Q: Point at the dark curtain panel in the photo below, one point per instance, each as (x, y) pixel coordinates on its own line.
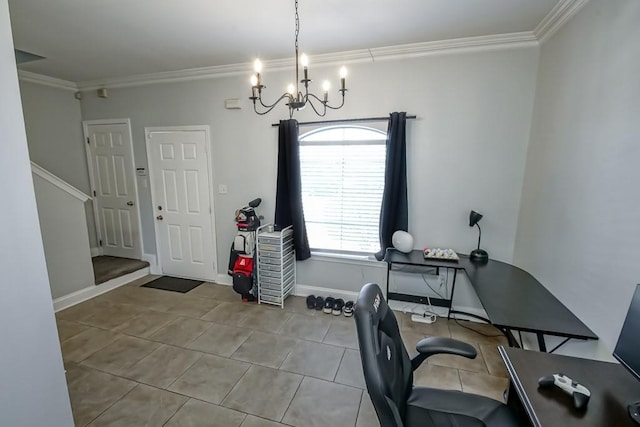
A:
(289, 192)
(394, 212)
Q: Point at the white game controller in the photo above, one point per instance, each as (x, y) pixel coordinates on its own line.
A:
(580, 393)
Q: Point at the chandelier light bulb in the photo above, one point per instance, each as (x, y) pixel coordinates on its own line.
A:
(253, 80)
(257, 66)
(291, 89)
(304, 60)
(326, 86)
(343, 72)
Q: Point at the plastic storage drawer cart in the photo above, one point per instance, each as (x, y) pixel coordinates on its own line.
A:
(276, 265)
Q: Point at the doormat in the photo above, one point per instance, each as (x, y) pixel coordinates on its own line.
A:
(175, 284)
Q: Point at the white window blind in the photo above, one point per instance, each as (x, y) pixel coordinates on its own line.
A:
(342, 171)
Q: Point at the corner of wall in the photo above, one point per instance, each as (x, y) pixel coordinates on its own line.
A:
(152, 259)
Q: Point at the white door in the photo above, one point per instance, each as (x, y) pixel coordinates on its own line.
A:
(182, 202)
(111, 167)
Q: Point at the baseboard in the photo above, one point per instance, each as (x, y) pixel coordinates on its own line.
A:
(152, 259)
(95, 290)
(304, 290)
(97, 251)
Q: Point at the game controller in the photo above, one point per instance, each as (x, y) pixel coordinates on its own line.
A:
(578, 392)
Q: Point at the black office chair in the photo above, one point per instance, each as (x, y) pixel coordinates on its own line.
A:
(388, 372)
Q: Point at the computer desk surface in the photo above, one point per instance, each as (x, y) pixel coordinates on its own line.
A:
(512, 298)
(612, 389)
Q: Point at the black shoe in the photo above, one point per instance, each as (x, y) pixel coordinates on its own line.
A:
(319, 303)
(337, 307)
(328, 305)
(311, 302)
(348, 309)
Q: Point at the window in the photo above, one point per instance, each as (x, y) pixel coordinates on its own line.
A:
(342, 170)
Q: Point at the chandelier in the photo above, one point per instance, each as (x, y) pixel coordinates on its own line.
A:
(296, 99)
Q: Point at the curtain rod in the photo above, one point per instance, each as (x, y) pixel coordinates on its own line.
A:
(324, 122)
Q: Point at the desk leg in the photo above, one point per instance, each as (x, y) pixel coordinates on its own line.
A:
(541, 344)
(453, 288)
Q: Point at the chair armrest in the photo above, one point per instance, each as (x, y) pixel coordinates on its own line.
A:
(428, 347)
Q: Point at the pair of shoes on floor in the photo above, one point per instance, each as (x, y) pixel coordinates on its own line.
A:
(315, 303)
(330, 305)
(333, 306)
(348, 309)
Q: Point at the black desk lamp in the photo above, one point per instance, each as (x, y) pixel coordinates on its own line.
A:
(477, 255)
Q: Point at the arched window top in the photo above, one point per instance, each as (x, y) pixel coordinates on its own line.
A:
(343, 133)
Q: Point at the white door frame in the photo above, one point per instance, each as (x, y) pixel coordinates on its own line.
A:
(208, 155)
(92, 180)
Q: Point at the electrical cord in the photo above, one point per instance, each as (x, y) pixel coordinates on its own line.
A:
(429, 286)
(455, 319)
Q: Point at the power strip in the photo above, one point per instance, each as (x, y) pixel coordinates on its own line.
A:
(427, 318)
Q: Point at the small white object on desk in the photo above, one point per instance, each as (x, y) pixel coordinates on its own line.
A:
(402, 241)
(442, 254)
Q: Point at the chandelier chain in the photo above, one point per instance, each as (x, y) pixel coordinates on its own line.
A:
(297, 25)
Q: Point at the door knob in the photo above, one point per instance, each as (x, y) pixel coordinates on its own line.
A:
(130, 203)
(159, 218)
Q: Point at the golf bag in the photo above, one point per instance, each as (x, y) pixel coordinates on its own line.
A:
(243, 248)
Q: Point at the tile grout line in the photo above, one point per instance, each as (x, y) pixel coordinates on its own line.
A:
(360, 406)
(335, 376)
(292, 399)
(114, 402)
(175, 412)
(235, 385)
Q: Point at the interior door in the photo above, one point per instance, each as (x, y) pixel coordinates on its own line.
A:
(110, 157)
(179, 172)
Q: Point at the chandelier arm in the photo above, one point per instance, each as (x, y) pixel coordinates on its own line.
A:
(272, 106)
(310, 102)
(258, 112)
(339, 106)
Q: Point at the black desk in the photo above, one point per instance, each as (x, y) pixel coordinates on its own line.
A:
(512, 298)
(612, 389)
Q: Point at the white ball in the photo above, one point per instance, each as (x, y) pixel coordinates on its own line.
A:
(402, 241)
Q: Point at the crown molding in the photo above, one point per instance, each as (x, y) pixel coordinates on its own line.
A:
(28, 76)
(166, 77)
(467, 44)
(556, 18)
(481, 43)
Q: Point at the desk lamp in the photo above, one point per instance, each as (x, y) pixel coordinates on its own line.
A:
(477, 255)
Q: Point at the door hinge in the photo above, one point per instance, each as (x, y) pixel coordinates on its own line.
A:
(88, 140)
(94, 193)
(100, 242)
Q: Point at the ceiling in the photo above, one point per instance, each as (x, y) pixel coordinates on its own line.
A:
(87, 40)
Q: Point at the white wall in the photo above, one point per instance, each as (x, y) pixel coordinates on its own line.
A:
(33, 391)
(53, 122)
(65, 238)
(578, 229)
(466, 150)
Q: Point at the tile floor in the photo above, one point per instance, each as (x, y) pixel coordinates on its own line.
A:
(139, 356)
